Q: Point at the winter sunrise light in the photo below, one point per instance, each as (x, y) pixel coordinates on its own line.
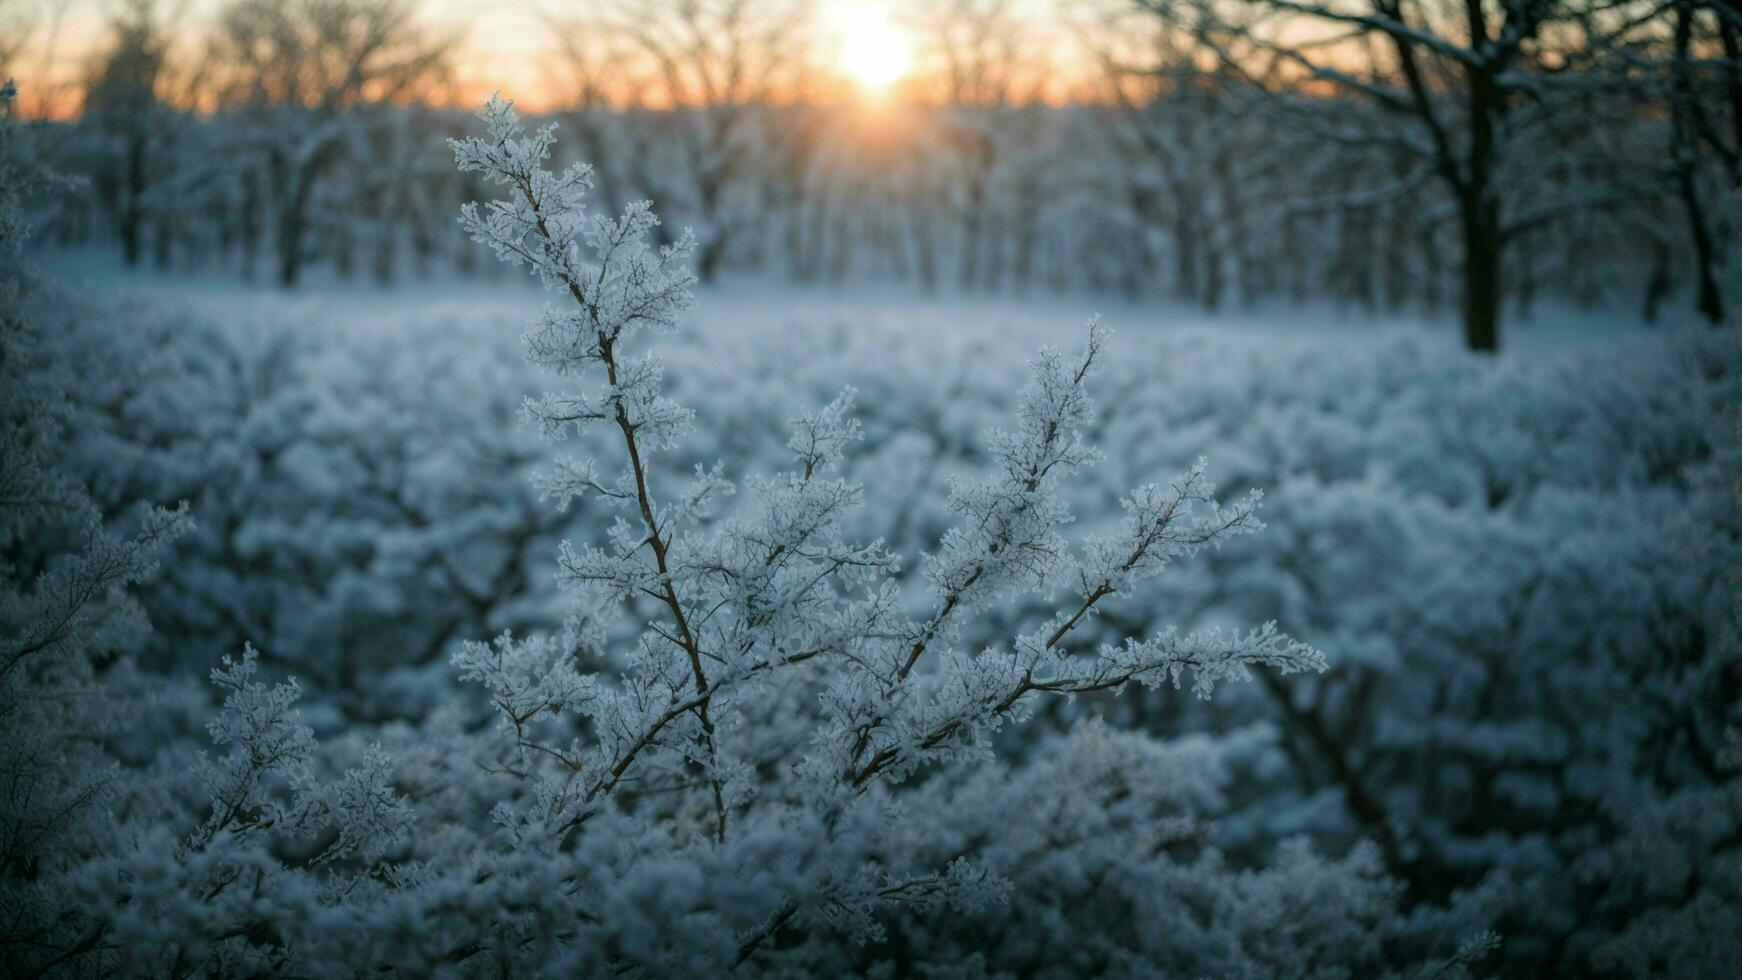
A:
(1203, 489)
(873, 51)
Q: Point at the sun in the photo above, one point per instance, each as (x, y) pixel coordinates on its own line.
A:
(873, 52)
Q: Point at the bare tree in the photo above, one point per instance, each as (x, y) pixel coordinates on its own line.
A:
(303, 69)
(122, 101)
(1465, 86)
(1199, 159)
(986, 63)
(1694, 56)
(717, 66)
(592, 87)
(1677, 64)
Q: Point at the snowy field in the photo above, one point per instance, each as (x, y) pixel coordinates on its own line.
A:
(989, 489)
(747, 304)
(1514, 567)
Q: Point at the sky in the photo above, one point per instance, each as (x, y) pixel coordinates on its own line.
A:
(507, 44)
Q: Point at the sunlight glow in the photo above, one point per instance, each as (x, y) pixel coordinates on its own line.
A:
(873, 52)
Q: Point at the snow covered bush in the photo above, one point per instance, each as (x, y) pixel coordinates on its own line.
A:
(1522, 566)
(65, 615)
(349, 524)
(771, 687)
(1526, 572)
(743, 749)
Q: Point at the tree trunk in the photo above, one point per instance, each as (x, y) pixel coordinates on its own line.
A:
(1685, 153)
(1185, 256)
(292, 222)
(709, 256)
(161, 241)
(249, 232)
(1480, 209)
(1023, 261)
(1481, 221)
(1711, 305)
(290, 225)
(1212, 277)
(1733, 53)
(971, 240)
(1657, 286)
(925, 249)
(132, 213)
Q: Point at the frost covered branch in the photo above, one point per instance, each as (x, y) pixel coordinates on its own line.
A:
(772, 597)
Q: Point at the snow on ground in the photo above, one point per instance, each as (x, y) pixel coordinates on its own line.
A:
(1516, 567)
(939, 320)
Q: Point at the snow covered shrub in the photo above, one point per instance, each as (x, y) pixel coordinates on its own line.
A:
(350, 525)
(1525, 572)
(749, 746)
(65, 619)
(1520, 566)
(771, 690)
(1113, 871)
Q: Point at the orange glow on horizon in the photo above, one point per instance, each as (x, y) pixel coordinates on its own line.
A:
(862, 55)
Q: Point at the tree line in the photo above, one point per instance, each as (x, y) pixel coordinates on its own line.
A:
(1466, 154)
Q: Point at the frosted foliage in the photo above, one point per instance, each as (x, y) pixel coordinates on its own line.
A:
(773, 687)
(64, 605)
(1527, 572)
(781, 728)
